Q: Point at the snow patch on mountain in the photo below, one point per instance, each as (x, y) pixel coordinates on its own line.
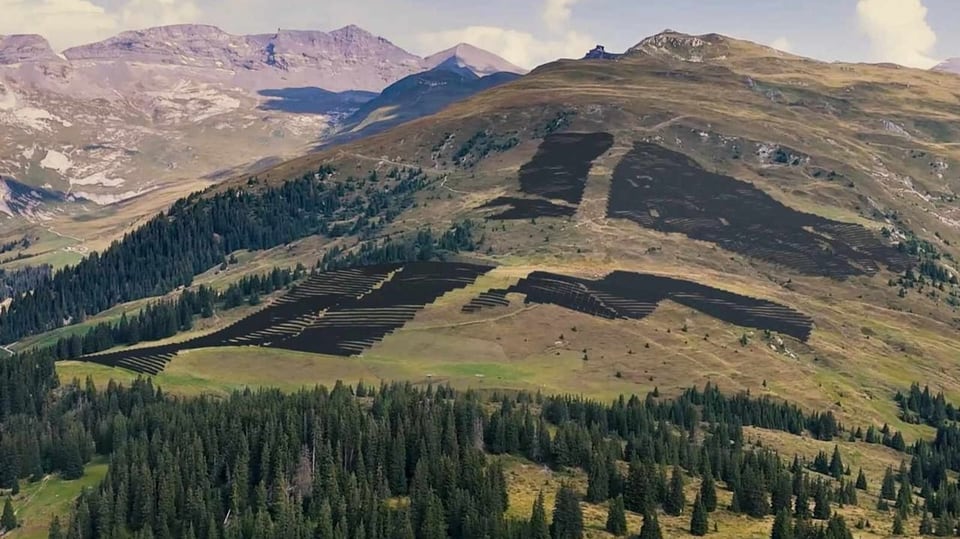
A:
(57, 161)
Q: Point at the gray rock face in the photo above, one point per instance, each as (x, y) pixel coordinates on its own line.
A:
(161, 107)
(346, 59)
(21, 48)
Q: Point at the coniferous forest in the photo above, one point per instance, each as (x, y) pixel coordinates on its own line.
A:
(199, 232)
(401, 461)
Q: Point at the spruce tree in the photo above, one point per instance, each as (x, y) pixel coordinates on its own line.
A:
(617, 517)
(539, 528)
(861, 481)
(55, 531)
(567, 515)
(836, 463)
(888, 489)
(897, 524)
(708, 493)
(781, 496)
(676, 499)
(698, 521)
(926, 524)
(651, 526)
(637, 488)
(945, 526)
(782, 526)
(598, 480)
(821, 506)
(8, 521)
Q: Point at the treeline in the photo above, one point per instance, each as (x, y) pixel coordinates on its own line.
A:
(13, 283)
(392, 461)
(197, 234)
(422, 245)
(165, 319)
(922, 406)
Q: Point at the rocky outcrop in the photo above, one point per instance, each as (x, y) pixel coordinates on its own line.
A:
(346, 59)
(600, 53)
(22, 48)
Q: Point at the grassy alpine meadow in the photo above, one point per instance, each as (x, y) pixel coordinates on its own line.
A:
(38, 502)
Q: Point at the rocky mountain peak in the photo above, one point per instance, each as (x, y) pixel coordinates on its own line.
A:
(182, 44)
(680, 46)
(15, 49)
(466, 56)
(952, 66)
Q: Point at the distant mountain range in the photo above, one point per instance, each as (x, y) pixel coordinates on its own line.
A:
(111, 120)
(952, 65)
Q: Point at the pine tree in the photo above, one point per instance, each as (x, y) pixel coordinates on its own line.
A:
(782, 495)
(539, 529)
(567, 515)
(9, 520)
(637, 489)
(861, 481)
(598, 482)
(752, 495)
(897, 524)
(836, 463)
(651, 527)
(821, 506)
(926, 525)
(945, 526)
(698, 521)
(676, 499)
(55, 531)
(888, 489)
(617, 517)
(434, 523)
(708, 493)
(782, 526)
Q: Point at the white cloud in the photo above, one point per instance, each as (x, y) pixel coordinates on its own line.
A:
(782, 44)
(898, 31)
(521, 48)
(71, 22)
(137, 14)
(556, 13)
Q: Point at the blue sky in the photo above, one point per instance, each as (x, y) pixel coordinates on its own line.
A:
(528, 32)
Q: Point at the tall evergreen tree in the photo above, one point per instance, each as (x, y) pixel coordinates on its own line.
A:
(539, 528)
(861, 481)
(897, 525)
(782, 526)
(821, 506)
(617, 517)
(637, 489)
(598, 480)
(651, 526)
(698, 520)
(8, 521)
(708, 493)
(888, 489)
(55, 532)
(836, 467)
(567, 515)
(675, 499)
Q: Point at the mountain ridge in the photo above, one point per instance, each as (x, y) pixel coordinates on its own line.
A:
(154, 108)
(951, 65)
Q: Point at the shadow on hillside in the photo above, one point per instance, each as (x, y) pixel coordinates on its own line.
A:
(313, 100)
